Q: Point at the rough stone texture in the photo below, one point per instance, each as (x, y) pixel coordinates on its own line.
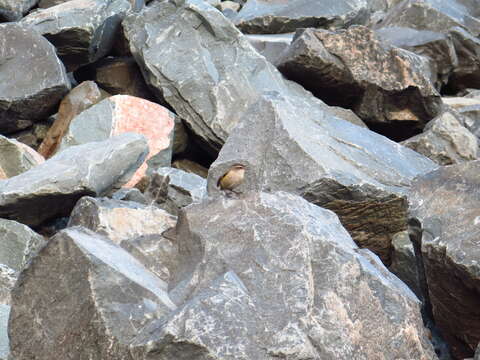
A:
(78, 99)
(130, 194)
(13, 10)
(51, 189)
(16, 158)
(278, 16)
(459, 102)
(360, 175)
(471, 116)
(121, 76)
(123, 113)
(437, 46)
(354, 69)
(190, 167)
(105, 293)
(446, 201)
(445, 140)
(348, 115)
(49, 3)
(270, 46)
(332, 300)
(180, 137)
(171, 189)
(216, 74)
(136, 228)
(25, 95)
(403, 261)
(83, 31)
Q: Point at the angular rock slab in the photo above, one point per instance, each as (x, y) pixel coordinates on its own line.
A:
(13, 10)
(122, 113)
(83, 31)
(25, 95)
(287, 277)
(278, 16)
(445, 140)
(354, 69)
(171, 189)
(270, 46)
(16, 158)
(77, 100)
(446, 201)
(51, 189)
(361, 176)
(136, 228)
(83, 297)
(216, 75)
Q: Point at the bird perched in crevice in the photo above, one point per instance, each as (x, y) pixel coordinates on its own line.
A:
(232, 178)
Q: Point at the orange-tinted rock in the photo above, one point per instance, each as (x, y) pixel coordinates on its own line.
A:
(120, 114)
(79, 99)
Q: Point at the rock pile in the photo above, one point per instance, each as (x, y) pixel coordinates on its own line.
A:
(247, 179)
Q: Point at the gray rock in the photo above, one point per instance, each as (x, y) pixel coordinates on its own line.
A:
(49, 3)
(4, 341)
(270, 46)
(445, 140)
(83, 297)
(278, 246)
(222, 75)
(477, 353)
(83, 31)
(16, 158)
(403, 261)
(172, 189)
(354, 69)
(360, 175)
(180, 137)
(471, 118)
(228, 5)
(446, 201)
(348, 115)
(13, 10)
(190, 167)
(472, 93)
(277, 16)
(51, 189)
(25, 95)
(130, 194)
(136, 228)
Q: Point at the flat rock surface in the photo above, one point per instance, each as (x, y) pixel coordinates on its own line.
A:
(446, 201)
(51, 189)
(27, 96)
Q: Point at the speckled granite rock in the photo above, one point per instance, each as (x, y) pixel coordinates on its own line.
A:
(13, 10)
(51, 189)
(446, 201)
(27, 96)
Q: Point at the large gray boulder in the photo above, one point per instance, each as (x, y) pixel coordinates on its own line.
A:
(446, 201)
(294, 147)
(354, 69)
(13, 10)
(51, 189)
(216, 75)
(25, 95)
(83, 297)
(137, 228)
(278, 246)
(279, 16)
(445, 140)
(82, 31)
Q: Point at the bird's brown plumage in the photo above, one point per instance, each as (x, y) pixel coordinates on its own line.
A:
(232, 178)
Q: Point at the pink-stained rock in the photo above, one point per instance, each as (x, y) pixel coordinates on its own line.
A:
(120, 114)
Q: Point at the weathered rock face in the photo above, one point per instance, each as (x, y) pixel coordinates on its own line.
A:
(51, 189)
(13, 10)
(445, 140)
(25, 95)
(190, 167)
(360, 175)
(49, 3)
(78, 99)
(277, 16)
(105, 293)
(83, 31)
(122, 113)
(279, 246)
(211, 89)
(270, 46)
(446, 201)
(353, 69)
(403, 261)
(171, 189)
(16, 158)
(136, 228)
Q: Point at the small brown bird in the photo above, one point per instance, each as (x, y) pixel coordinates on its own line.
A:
(232, 178)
